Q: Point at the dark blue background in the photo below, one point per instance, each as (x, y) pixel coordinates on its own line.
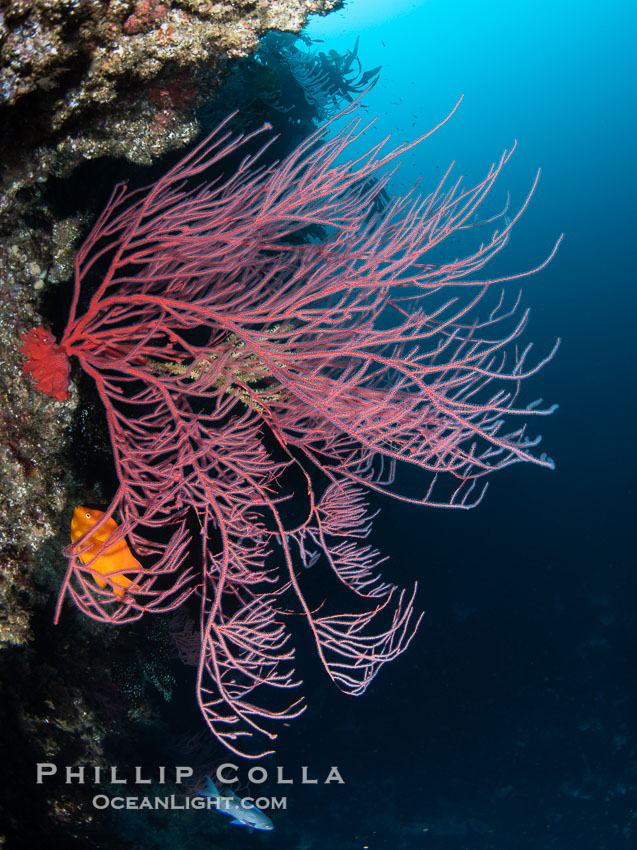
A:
(511, 720)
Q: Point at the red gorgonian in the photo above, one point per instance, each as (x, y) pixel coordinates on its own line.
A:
(268, 346)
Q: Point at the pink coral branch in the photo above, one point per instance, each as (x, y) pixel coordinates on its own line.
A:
(235, 354)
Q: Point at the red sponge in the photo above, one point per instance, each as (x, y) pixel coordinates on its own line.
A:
(45, 360)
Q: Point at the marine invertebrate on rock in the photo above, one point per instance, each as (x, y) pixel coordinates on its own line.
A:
(79, 79)
(256, 382)
(46, 361)
(326, 79)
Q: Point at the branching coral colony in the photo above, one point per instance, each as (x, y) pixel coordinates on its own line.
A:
(236, 351)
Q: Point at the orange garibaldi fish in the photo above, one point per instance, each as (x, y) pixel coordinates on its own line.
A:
(114, 561)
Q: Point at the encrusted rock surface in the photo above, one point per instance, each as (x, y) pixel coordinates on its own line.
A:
(79, 79)
(33, 475)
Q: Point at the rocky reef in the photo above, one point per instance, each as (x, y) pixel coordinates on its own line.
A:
(81, 80)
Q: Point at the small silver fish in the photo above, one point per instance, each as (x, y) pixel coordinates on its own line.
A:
(241, 812)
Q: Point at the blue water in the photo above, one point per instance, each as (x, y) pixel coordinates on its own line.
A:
(511, 721)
